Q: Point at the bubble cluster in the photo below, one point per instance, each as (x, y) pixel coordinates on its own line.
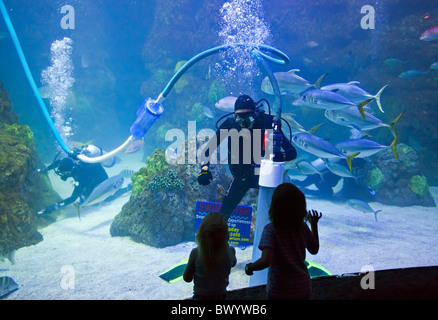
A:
(59, 80)
(242, 22)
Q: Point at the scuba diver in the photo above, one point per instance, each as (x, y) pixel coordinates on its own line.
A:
(247, 115)
(86, 175)
(326, 180)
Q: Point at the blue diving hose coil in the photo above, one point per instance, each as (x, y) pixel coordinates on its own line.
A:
(259, 48)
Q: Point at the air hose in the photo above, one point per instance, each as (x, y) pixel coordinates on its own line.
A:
(284, 59)
(30, 78)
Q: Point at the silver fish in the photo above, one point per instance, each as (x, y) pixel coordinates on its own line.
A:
(351, 117)
(7, 286)
(362, 206)
(111, 162)
(319, 147)
(328, 100)
(3, 35)
(354, 93)
(135, 146)
(10, 256)
(171, 155)
(411, 74)
(101, 192)
(339, 169)
(430, 34)
(45, 92)
(296, 127)
(126, 173)
(290, 83)
(293, 123)
(434, 66)
(366, 148)
(207, 112)
(305, 167)
(393, 62)
(104, 190)
(226, 104)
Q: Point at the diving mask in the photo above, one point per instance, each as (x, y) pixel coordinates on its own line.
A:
(64, 175)
(245, 120)
(65, 168)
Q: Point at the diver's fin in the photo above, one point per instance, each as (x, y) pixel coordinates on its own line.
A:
(377, 98)
(318, 82)
(175, 273)
(361, 105)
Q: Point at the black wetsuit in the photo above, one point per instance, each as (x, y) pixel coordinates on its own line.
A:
(243, 171)
(87, 177)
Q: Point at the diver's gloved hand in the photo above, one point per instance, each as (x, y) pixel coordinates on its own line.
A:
(74, 154)
(49, 209)
(41, 170)
(248, 269)
(279, 157)
(205, 176)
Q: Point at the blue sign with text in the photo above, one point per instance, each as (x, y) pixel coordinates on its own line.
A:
(239, 223)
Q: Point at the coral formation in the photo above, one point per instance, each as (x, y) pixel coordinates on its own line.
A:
(418, 185)
(375, 178)
(400, 182)
(181, 84)
(21, 131)
(161, 210)
(22, 191)
(156, 166)
(197, 112)
(161, 131)
(179, 65)
(167, 183)
(216, 92)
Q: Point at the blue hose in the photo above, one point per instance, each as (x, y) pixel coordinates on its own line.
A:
(30, 78)
(284, 59)
(260, 57)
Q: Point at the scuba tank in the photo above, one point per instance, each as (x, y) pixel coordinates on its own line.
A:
(92, 151)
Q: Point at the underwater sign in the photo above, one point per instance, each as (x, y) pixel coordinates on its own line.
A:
(239, 223)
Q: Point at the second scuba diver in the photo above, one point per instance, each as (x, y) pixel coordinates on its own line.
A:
(246, 116)
(87, 176)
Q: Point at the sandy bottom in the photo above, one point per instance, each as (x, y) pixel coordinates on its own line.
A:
(79, 259)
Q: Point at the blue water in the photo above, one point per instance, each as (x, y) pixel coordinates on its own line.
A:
(126, 51)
